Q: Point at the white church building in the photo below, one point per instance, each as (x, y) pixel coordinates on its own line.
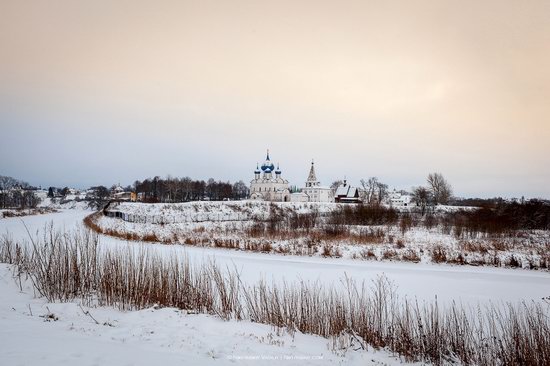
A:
(313, 191)
(267, 187)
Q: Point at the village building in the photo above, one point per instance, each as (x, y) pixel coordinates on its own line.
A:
(399, 199)
(347, 194)
(313, 191)
(267, 187)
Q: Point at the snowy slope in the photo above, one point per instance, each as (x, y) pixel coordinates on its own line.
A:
(34, 332)
(201, 211)
(415, 244)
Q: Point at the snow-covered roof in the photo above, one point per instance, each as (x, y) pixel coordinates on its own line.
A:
(347, 191)
(118, 189)
(342, 190)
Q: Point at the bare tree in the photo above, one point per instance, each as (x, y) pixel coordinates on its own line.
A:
(440, 188)
(381, 192)
(422, 197)
(337, 183)
(172, 185)
(369, 189)
(11, 192)
(99, 197)
(240, 190)
(186, 188)
(30, 200)
(375, 191)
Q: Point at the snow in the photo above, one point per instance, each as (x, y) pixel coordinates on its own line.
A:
(164, 336)
(69, 202)
(173, 337)
(423, 281)
(199, 223)
(212, 210)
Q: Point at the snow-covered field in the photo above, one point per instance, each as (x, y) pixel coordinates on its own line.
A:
(211, 211)
(202, 211)
(225, 224)
(421, 280)
(34, 332)
(170, 336)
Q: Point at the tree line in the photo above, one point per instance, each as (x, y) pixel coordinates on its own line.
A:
(185, 189)
(503, 217)
(16, 194)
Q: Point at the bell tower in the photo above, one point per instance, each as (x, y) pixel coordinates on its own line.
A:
(312, 178)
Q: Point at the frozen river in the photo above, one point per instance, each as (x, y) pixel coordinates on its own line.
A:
(464, 284)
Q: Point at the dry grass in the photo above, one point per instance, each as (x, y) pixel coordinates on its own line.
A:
(19, 212)
(68, 266)
(438, 254)
(389, 254)
(400, 244)
(312, 234)
(410, 256)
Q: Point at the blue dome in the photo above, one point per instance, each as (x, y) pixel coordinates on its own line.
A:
(268, 167)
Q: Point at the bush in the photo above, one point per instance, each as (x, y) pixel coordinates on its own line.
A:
(364, 215)
(438, 254)
(410, 256)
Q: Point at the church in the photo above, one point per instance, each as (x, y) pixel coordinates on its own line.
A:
(267, 187)
(313, 191)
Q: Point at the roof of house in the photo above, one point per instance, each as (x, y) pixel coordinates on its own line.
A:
(342, 190)
(345, 190)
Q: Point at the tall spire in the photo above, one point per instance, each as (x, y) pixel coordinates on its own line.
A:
(267, 157)
(312, 178)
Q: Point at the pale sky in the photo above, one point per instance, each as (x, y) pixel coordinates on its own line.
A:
(101, 92)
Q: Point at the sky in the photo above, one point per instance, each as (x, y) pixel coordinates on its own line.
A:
(108, 91)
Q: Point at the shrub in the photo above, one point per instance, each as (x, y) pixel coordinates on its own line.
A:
(368, 254)
(438, 254)
(389, 254)
(410, 256)
(364, 215)
(513, 262)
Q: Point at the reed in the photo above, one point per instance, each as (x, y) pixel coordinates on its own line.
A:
(69, 266)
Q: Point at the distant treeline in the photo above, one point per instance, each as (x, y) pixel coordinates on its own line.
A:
(502, 217)
(493, 202)
(17, 194)
(186, 189)
(485, 221)
(18, 199)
